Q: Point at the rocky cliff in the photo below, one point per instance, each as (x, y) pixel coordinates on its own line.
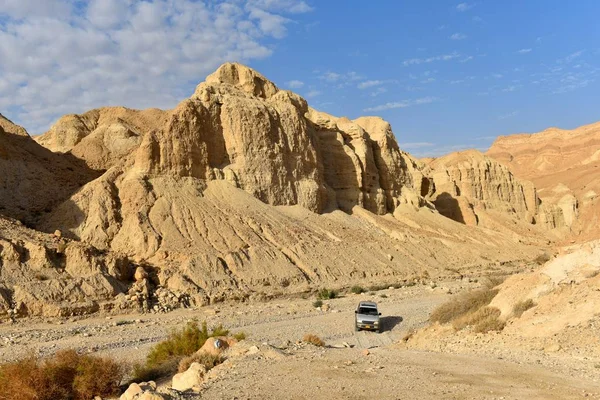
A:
(563, 165)
(468, 184)
(33, 179)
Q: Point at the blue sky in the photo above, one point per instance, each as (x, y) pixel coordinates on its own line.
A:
(446, 74)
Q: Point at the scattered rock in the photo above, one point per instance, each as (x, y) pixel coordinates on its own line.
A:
(190, 379)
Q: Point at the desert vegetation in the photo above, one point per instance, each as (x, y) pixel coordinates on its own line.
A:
(522, 306)
(327, 294)
(313, 339)
(67, 375)
(471, 310)
(166, 357)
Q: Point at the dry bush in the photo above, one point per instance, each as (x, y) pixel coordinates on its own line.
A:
(542, 258)
(462, 305)
(67, 375)
(144, 373)
(240, 336)
(313, 339)
(208, 360)
(375, 288)
(522, 306)
(494, 280)
(483, 320)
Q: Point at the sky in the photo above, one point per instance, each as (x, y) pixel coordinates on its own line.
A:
(447, 75)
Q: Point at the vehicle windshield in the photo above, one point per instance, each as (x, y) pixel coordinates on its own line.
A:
(367, 311)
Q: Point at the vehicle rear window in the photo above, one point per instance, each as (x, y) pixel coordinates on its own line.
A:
(367, 310)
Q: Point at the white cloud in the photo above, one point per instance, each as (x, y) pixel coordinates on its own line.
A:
(443, 57)
(497, 76)
(378, 91)
(458, 36)
(506, 116)
(466, 59)
(368, 84)
(312, 93)
(331, 76)
(402, 104)
(571, 57)
(62, 57)
(295, 84)
(462, 7)
(524, 51)
(512, 88)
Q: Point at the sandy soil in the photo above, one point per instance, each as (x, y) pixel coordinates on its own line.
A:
(285, 369)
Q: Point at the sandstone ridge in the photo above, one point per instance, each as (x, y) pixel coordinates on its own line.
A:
(563, 165)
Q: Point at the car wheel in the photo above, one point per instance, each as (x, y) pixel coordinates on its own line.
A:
(356, 329)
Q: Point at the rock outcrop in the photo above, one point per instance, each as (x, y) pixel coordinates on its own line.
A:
(563, 165)
(33, 179)
(101, 137)
(469, 183)
(43, 274)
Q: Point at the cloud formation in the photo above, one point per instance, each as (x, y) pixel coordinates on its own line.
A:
(295, 84)
(462, 7)
(63, 57)
(458, 36)
(402, 104)
(443, 57)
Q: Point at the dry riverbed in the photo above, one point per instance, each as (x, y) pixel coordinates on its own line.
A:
(389, 370)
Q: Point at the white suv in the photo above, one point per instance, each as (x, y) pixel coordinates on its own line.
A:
(366, 316)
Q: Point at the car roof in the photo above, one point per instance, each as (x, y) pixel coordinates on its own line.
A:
(367, 304)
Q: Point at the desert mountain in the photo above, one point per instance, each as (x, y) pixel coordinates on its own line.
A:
(244, 190)
(563, 165)
(33, 179)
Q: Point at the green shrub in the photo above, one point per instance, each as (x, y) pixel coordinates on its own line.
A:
(326, 294)
(239, 336)
(357, 289)
(317, 303)
(165, 356)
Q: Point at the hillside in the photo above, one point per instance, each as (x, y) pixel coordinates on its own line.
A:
(563, 165)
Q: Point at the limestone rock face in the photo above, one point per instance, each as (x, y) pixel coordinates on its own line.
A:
(33, 179)
(563, 164)
(101, 137)
(45, 275)
(469, 182)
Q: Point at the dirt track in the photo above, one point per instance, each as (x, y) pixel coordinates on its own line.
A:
(389, 371)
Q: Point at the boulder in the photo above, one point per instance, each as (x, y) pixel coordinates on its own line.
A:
(190, 379)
